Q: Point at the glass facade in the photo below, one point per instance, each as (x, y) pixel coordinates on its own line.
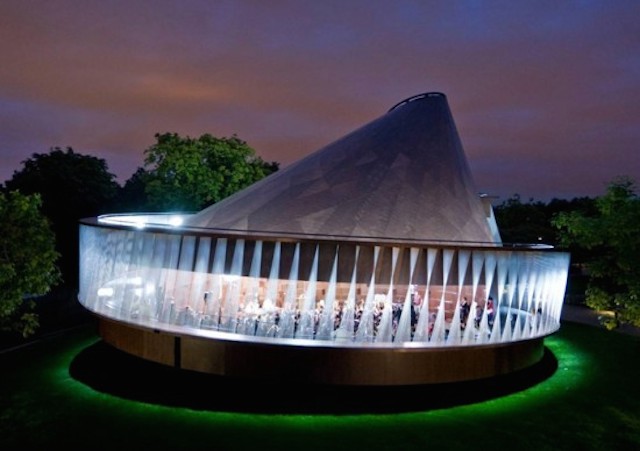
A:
(148, 270)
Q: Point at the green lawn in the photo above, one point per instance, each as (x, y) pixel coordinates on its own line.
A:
(74, 392)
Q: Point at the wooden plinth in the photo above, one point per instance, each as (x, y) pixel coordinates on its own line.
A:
(318, 364)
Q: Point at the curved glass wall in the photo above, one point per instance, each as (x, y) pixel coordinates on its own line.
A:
(148, 271)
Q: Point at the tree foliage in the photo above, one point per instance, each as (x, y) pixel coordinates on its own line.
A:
(71, 186)
(521, 222)
(612, 237)
(188, 174)
(531, 222)
(27, 260)
(132, 197)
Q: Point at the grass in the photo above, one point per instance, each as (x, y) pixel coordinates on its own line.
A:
(72, 391)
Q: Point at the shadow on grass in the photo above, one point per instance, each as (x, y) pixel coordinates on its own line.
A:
(109, 370)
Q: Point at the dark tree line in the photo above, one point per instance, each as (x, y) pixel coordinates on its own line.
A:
(532, 221)
(62, 186)
(189, 174)
(609, 239)
(71, 186)
(179, 174)
(603, 236)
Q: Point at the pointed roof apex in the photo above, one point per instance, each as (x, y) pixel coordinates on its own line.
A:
(402, 176)
(416, 97)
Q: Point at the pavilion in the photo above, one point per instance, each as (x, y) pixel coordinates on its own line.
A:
(372, 261)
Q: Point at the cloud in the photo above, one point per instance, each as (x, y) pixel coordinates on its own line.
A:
(533, 86)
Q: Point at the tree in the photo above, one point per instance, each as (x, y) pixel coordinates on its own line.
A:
(531, 222)
(71, 186)
(27, 261)
(132, 197)
(520, 222)
(187, 174)
(612, 237)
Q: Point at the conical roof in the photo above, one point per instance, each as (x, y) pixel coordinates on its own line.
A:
(402, 176)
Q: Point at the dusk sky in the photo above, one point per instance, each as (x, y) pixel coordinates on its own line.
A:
(545, 94)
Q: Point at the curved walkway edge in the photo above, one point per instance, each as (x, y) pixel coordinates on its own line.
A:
(584, 315)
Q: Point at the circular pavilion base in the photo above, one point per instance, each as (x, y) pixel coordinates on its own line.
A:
(334, 365)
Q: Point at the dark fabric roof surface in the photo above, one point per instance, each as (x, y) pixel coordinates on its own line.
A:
(401, 176)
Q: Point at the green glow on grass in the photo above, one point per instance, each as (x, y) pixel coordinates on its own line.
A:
(561, 412)
(573, 371)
